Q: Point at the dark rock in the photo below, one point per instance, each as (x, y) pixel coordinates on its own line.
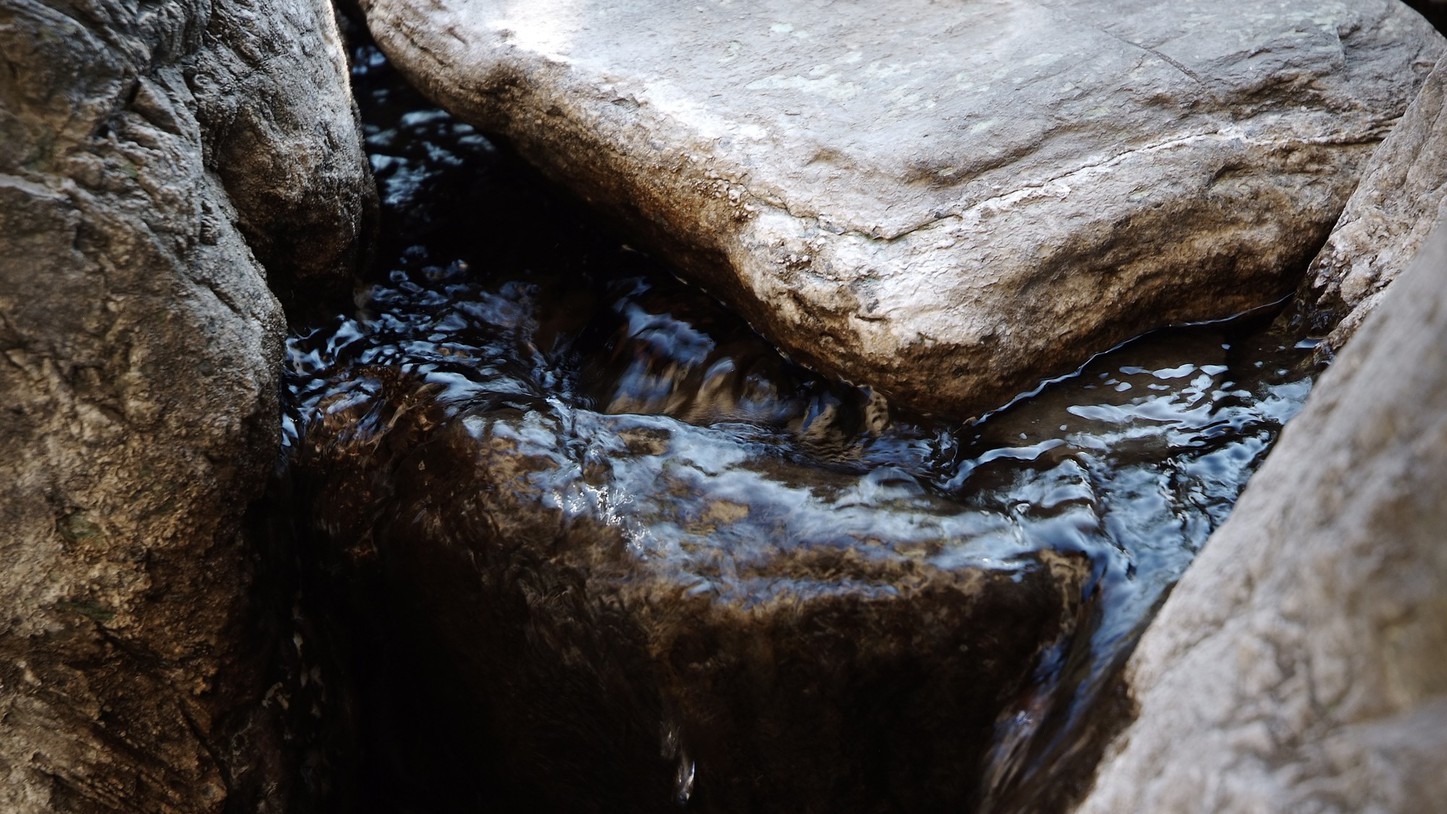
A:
(139, 349)
(1299, 665)
(283, 141)
(616, 610)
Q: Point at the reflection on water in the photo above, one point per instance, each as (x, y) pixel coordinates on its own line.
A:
(515, 303)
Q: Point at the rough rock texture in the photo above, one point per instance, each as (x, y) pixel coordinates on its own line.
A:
(1402, 194)
(614, 610)
(1434, 10)
(1301, 664)
(283, 140)
(139, 349)
(945, 201)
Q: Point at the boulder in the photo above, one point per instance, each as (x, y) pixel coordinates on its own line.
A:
(625, 612)
(139, 354)
(1402, 194)
(947, 202)
(283, 142)
(1301, 663)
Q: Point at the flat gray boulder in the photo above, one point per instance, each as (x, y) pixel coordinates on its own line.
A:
(1402, 194)
(944, 201)
(1301, 664)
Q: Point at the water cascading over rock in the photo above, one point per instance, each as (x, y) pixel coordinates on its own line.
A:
(587, 526)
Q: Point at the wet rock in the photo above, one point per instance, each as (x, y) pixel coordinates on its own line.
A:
(1299, 665)
(628, 610)
(946, 202)
(1402, 194)
(139, 351)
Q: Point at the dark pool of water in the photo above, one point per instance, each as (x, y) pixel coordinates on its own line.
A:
(505, 294)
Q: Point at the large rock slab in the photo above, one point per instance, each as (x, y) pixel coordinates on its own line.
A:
(1402, 195)
(946, 202)
(1299, 665)
(614, 612)
(139, 353)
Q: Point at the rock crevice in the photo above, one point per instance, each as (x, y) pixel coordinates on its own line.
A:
(1402, 194)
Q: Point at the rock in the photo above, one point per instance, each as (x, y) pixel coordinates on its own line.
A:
(1299, 665)
(1402, 194)
(1434, 10)
(139, 351)
(616, 610)
(284, 149)
(947, 202)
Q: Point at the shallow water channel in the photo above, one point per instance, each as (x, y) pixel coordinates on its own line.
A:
(505, 298)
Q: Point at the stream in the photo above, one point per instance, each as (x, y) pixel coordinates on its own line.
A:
(525, 318)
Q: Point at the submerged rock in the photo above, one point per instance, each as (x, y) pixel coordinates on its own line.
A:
(1299, 665)
(1402, 195)
(630, 610)
(947, 202)
(139, 351)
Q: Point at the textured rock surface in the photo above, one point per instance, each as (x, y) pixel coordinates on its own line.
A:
(1434, 10)
(944, 201)
(282, 140)
(139, 348)
(1402, 194)
(1301, 664)
(614, 609)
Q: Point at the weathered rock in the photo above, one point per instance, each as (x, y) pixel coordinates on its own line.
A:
(282, 140)
(1402, 194)
(139, 348)
(951, 201)
(626, 608)
(1299, 665)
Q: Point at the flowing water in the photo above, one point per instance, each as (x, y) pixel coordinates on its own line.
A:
(502, 294)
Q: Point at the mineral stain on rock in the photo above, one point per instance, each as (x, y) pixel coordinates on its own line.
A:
(608, 550)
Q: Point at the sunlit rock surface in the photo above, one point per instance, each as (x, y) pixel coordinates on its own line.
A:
(139, 356)
(1402, 194)
(944, 201)
(1299, 665)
